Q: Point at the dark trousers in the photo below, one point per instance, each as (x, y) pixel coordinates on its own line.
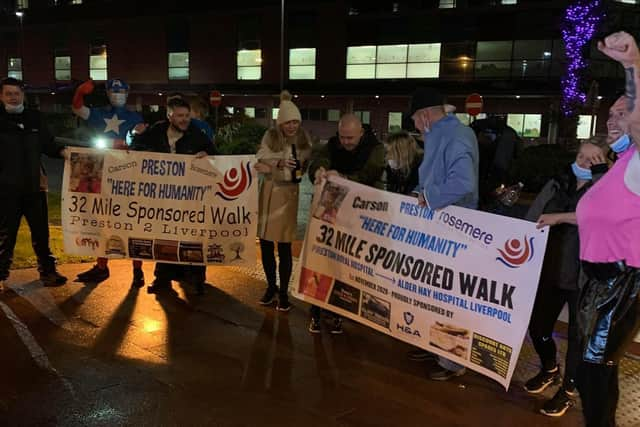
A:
(102, 262)
(549, 303)
(316, 313)
(598, 387)
(193, 274)
(267, 249)
(34, 208)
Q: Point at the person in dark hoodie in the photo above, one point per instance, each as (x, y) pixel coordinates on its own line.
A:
(555, 206)
(354, 154)
(176, 135)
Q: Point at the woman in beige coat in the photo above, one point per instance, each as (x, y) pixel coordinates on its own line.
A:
(279, 196)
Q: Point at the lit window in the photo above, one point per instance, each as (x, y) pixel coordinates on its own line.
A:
(393, 61)
(509, 2)
(364, 116)
(250, 112)
(15, 68)
(22, 4)
(526, 125)
(178, 65)
(333, 115)
(586, 123)
(361, 62)
(395, 122)
(98, 63)
(447, 4)
(302, 64)
(63, 67)
(424, 60)
(76, 1)
(274, 113)
(154, 108)
(249, 64)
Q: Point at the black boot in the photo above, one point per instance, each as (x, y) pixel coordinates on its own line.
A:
(268, 296)
(283, 302)
(138, 278)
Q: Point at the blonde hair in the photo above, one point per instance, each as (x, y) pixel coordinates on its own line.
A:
(403, 149)
(276, 141)
(598, 141)
(199, 108)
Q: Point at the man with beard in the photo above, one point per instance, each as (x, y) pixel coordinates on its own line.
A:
(179, 136)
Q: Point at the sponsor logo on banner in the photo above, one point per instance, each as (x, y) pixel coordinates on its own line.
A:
(236, 181)
(516, 252)
(406, 328)
(115, 246)
(87, 242)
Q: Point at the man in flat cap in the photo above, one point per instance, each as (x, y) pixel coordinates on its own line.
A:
(448, 174)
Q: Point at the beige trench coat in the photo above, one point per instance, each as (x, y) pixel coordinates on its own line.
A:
(278, 199)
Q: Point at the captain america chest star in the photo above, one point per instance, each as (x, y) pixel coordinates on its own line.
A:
(115, 123)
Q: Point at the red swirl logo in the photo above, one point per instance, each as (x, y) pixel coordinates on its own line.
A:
(516, 252)
(235, 182)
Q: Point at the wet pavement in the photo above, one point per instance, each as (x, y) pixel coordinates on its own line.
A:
(109, 355)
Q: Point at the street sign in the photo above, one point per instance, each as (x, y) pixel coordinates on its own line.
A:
(473, 104)
(215, 98)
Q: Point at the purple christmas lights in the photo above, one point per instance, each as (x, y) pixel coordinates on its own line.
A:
(578, 27)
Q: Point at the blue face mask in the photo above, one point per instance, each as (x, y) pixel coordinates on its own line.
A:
(621, 144)
(581, 173)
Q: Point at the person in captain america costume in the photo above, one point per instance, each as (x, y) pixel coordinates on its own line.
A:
(114, 124)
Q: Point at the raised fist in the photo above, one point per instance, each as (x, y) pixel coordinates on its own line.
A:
(621, 47)
(87, 87)
(84, 89)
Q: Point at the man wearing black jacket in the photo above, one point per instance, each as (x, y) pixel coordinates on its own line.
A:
(357, 155)
(176, 135)
(24, 137)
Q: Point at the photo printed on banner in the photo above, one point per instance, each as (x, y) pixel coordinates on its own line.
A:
(376, 310)
(141, 248)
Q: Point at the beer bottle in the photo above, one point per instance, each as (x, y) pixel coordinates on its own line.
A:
(296, 173)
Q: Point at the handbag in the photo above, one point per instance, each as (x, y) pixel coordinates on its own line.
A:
(608, 311)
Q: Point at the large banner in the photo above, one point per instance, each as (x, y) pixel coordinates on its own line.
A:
(165, 207)
(457, 282)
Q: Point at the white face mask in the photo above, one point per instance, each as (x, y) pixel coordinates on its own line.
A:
(118, 99)
(14, 109)
(427, 126)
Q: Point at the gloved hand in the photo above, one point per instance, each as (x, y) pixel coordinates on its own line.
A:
(84, 89)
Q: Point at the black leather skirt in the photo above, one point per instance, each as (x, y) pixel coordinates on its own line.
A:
(608, 310)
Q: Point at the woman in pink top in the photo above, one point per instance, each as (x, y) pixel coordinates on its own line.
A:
(608, 217)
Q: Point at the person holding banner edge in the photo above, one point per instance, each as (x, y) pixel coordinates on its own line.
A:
(356, 155)
(448, 174)
(115, 124)
(176, 135)
(284, 150)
